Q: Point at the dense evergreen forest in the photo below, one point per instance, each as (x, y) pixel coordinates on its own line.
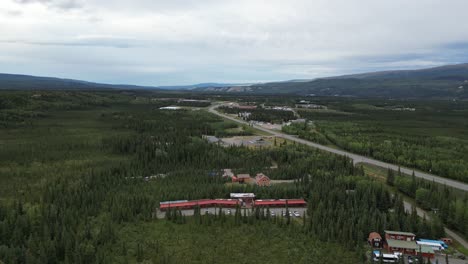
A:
(73, 188)
(261, 114)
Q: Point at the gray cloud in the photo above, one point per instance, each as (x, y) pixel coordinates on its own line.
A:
(90, 41)
(185, 41)
(60, 4)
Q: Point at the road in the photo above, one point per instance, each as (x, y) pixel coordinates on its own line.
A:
(355, 157)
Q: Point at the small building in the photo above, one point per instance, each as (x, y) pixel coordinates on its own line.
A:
(242, 178)
(247, 107)
(211, 139)
(375, 240)
(246, 199)
(227, 173)
(262, 180)
(170, 108)
(447, 240)
(298, 121)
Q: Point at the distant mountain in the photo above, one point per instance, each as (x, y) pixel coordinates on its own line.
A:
(202, 85)
(446, 82)
(27, 82)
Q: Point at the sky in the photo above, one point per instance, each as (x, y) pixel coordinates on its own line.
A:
(177, 42)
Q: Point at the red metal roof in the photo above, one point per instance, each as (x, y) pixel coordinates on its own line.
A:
(230, 202)
(291, 202)
(374, 235)
(199, 203)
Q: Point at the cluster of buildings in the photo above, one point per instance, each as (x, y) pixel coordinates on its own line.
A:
(397, 243)
(236, 199)
(260, 179)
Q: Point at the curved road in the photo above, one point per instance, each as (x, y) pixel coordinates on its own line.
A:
(356, 158)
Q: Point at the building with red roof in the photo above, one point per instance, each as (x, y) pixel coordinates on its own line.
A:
(262, 180)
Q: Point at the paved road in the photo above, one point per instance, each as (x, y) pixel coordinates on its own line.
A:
(356, 158)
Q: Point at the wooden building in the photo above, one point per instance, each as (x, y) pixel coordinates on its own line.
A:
(375, 240)
(241, 178)
(401, 242)
(262, 180)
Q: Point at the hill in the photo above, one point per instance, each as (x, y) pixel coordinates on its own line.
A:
(28, 82)
(446, 82)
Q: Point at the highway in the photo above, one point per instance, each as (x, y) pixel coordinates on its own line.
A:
(355, 157)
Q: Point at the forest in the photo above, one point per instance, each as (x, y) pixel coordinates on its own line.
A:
(73, 188)
(431, 136)
(261, 114)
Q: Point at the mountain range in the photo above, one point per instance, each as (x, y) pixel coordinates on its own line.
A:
(444, 82)
(450, 81)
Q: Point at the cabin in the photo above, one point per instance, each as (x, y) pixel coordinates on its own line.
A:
(447, 241)
(375, 240)
(400, 242)
(242, 178)
(262, 180)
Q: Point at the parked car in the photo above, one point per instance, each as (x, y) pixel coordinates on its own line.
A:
(296, 214)
(272, 214)
(412, 259)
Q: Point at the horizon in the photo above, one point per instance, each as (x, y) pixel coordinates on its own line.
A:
(155, 43)
(221, 83)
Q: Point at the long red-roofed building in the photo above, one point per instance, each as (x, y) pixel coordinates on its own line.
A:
(229, 203)
(281, 203)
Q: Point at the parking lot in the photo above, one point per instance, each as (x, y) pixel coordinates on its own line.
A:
(297, 212)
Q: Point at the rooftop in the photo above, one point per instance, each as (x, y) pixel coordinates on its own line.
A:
(399, 233)
(242, 195)
(402, 244)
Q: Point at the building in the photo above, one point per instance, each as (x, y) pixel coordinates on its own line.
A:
(242, 178)
(237, 199)
(212, 139)
(375, 240)
(247, 107)
(185, 204)
(227, 173)
(262, 180)
(401, 242)
(281, 203)
(447, 241)
(170, 108)
(246, 199)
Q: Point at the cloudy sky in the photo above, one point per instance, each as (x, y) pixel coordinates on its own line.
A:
(155, 42)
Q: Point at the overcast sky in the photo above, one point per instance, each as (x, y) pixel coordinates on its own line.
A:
(151, 42)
